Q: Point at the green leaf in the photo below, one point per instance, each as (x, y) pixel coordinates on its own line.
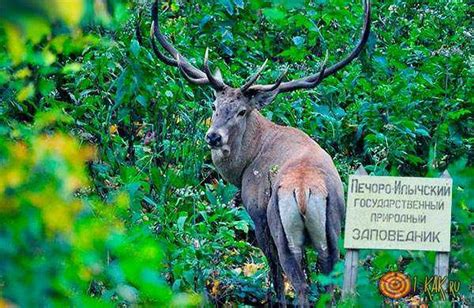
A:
(298, 41)
(204, 21)
(135, 48)
(239, 3)
(15, 43)
(4, 77)
(70, 68)
(293, 4)
(294, 53)
(242, 225)
(180, 222)
(274, 14)
(229, 6)
(26, 92)
(458, 114)
(46, 86)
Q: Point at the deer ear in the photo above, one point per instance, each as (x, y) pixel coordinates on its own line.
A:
(218, 75)
(262, 98)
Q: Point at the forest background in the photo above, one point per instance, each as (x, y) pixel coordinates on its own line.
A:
(107, 191)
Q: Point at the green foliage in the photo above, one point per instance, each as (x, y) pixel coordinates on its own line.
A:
(60, 244)
(148, 220)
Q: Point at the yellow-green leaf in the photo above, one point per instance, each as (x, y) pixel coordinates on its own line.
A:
(23, 73)
(35, 29)
(48, 57)
(70, 11)
(26, 93)
(15, 43)
(71, 68)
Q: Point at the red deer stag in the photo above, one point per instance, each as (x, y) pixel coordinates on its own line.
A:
(288, 183)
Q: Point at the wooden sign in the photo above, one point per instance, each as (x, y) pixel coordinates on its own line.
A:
(405, 213)
(396, 213)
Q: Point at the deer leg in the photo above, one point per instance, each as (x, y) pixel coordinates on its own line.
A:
(237, 202)
(334, 217)
(277, 277)
(266, 244)
(289, 248)
(315, 222)
(293, 225)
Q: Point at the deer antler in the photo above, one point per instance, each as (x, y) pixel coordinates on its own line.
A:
(199, 77)
(314, 80)
(190, 72)
(254, 77)
(216, 83)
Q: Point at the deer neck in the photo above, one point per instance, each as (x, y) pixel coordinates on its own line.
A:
(244, 149)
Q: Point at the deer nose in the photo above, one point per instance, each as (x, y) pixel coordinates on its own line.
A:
(214, 139)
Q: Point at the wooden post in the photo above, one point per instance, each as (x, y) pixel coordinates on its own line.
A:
(442, 258)
(351, 260)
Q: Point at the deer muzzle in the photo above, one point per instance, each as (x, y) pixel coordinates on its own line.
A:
(217, 141)
(214, 139)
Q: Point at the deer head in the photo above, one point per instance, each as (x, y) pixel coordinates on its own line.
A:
(232, 106)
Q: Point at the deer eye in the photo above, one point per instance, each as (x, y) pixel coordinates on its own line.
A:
(242, 113)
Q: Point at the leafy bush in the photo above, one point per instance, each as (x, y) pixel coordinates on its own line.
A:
(60, 246)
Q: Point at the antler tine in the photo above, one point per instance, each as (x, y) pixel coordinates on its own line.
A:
(320, 77)
(198, 81)
(279, 80)
(213, 81)
(269, 88)
(254, 77)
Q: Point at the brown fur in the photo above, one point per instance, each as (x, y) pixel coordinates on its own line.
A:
(303, 180)
(265, 158)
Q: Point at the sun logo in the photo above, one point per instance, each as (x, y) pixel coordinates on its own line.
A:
(394, 285)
